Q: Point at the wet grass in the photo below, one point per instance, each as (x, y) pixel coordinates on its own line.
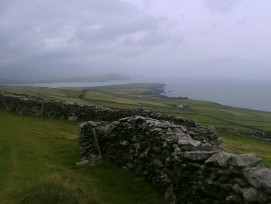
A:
(38, 159)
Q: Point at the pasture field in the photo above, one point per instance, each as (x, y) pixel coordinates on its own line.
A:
(37, 165)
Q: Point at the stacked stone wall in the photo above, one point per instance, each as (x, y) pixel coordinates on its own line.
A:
(183, 162)
(58, 109)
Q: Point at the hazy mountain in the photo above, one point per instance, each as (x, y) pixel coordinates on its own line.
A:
(11, 81)
(98, 78)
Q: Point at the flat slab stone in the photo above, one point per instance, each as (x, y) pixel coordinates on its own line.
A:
(221, 158)
(224, 159)
(82, 163)
(244, 160)
(198, 155)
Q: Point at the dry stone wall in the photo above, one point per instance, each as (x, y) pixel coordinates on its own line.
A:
(180, 157)
(72, 111)
(183, 162)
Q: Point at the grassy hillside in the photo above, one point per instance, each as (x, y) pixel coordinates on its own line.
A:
(234, 124)
(37, 165)
(237, 121)
(135, 89)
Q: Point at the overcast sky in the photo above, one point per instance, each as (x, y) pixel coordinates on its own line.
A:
(202, 38)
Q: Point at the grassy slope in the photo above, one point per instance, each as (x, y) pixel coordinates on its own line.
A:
(36, 151)
(230, 121)
(240, 145)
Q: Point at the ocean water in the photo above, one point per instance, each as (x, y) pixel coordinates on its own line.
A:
(251, 94)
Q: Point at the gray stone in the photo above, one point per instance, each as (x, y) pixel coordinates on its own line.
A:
(191, 133)
(82, 163)
(185, 139)
(259, 177)
(244, 160)
(206, 147)
(72, 118)
(253, 195)
(237, 188)
(220, 158)
(94, 160)
(198, 155)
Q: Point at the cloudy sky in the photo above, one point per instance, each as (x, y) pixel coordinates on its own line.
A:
(202, 38)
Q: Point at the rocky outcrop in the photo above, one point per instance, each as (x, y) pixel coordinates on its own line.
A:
(179, 160)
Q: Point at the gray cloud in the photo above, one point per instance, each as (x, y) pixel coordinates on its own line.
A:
(5, 5)
(221, 5)
(41, 33)
(52, 38)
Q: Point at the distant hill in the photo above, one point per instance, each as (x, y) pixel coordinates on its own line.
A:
(10, 81)
(99, 78)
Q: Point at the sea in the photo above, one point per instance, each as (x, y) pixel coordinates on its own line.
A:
(250, 94)
(243, 93)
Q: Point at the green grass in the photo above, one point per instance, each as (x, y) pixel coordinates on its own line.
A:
(38, 155)
(55, 189)
(136, 89)
(239, 145)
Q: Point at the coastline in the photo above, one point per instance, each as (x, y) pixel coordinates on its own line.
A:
(245, 95)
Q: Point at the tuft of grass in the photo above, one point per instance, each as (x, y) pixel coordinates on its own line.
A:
(53, 189)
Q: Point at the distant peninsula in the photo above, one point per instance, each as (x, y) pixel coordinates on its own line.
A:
(98, 78)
